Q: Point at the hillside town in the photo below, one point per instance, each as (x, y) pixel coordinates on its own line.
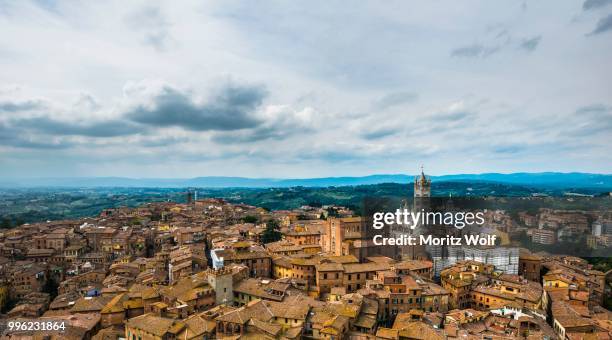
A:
(208, 269)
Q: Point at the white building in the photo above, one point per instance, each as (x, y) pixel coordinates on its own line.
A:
(217, 261)
(505, 259)
(596, 229)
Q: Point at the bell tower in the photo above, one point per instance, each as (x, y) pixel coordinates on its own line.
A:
(422, 185)
(422, 193)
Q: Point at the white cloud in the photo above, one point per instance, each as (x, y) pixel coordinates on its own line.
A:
(300, 89)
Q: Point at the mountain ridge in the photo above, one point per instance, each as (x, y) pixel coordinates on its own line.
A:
(547, 179)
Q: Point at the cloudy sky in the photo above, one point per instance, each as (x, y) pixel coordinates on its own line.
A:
(288, 89)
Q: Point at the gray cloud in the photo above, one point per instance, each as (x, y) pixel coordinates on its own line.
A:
(44, 145)
(361, 153)
(530, 44)
(162, 142)
(595, 4)
(250, 136)
(394, 99)
(379, 133)
(509, 148)
(231, 109)
(10, 106)
(332, 156)
(502, 41)
(87, 102)
(110, 128)
(281, 122)
(593, 109)
(592, 119)
(452, 116)
(151, 22)
(603, 25)
(474, 51)
(14, 138)
(545, 147)
(468, 51)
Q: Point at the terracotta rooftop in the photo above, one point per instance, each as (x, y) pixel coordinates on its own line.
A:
(266, 289)
(155, 325)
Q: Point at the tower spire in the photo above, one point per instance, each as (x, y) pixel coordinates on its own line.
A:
(422, 185)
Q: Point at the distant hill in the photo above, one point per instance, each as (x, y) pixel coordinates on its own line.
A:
(543, 179)
(547, 179)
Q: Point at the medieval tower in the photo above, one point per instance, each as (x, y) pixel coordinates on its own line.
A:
(422, 185)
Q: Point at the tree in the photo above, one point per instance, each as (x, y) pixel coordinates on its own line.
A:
(5, 223)
(272, 232)
(156, 216)
(250, 219)
(51, 287)
(524, 239)
(332, 212)
(9, 304)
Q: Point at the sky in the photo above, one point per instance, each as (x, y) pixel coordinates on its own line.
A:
(295, 89)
